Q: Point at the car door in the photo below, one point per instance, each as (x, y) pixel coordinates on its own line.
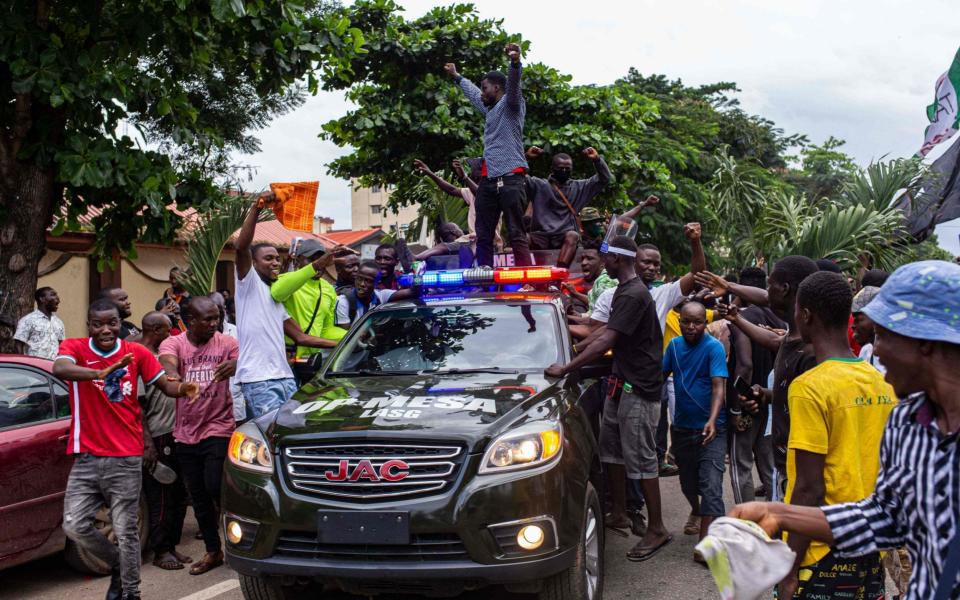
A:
(34, 465)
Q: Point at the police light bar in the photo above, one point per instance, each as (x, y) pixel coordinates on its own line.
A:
(504, 275)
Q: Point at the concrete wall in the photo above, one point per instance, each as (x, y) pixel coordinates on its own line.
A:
(72, 284)
(145, 279)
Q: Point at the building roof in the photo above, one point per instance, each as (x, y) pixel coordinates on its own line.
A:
(352, 238)
(269, 232)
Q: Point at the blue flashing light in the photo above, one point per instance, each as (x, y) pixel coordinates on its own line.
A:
(405, 280)
(444, 298)
(511, 288)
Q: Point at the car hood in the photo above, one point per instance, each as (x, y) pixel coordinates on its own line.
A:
(469, 407)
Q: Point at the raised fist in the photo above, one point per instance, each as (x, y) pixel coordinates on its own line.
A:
(513, 52)
(450, 69)
(591, 153)
(692, 231)
(534, 152)
(420, 166)
(458, 169)
(651, 200)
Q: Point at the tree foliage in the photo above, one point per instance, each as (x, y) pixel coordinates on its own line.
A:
(657, 135)
(191, 76)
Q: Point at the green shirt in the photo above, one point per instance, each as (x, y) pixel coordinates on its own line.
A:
(298, 291)
(602, 283)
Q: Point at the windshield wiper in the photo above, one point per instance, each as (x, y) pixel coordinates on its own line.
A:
(468, 371)
(370, 372)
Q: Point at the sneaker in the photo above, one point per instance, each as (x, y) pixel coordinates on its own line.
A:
(760, 492)
(668, 470)
(693, 525)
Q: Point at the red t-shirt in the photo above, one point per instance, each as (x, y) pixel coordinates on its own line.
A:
(854, 346)
(97, 425)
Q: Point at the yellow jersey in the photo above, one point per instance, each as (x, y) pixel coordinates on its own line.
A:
(839, 409)
(671, 325)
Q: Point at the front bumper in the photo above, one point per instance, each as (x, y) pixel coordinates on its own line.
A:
(516, 572)
(465, 512)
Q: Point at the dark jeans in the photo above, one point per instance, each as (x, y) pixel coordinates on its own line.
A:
(114, 481)
(167, 504)
(746, 448)
(202, 466)
(701, 469)
(498, 195)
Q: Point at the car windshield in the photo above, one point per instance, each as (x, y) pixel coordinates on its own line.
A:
(496, 337)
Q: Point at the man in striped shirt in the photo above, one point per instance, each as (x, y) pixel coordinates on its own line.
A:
(916, 500)
(502, 186)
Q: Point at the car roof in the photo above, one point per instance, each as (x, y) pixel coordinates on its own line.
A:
(43, 364)
(452, 298)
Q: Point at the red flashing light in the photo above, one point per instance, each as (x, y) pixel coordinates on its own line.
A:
(529, 274)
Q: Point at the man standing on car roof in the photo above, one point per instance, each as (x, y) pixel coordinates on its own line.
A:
(106, 434)
(502, 187)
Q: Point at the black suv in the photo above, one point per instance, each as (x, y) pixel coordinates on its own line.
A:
(430, 455)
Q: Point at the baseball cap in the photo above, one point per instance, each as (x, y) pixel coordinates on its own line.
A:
(920, 300)
(589, 213)
(310, 248)
(863, 298)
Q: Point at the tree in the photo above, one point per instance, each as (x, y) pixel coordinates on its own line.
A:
(657, 135)
(74, 73)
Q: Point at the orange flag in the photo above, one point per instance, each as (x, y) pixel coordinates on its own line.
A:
(295, 204)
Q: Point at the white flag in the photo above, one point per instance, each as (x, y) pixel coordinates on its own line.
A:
(943, 112)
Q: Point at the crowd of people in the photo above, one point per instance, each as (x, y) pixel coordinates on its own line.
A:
(778, 374)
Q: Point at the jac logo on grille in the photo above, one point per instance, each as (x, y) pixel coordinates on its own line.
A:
(390, 471)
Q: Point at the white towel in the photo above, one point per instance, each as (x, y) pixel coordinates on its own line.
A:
(744, 561)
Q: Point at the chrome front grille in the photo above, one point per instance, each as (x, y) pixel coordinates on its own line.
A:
(432, 469)
(422, 547)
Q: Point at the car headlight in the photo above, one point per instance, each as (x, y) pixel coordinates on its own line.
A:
(530, 447)
(249, 450)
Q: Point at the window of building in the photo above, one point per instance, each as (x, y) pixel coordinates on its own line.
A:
(375, 189)
(374, 209)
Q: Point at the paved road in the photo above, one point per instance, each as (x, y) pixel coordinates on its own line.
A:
(671, 575)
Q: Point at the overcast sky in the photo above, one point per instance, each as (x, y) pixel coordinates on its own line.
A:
(861, 70)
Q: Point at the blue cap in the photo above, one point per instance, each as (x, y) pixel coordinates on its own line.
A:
(920, 300)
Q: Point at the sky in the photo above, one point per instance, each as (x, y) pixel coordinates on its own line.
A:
(860, 70)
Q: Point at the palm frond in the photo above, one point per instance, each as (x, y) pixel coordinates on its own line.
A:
(878, 185)
(212, 233)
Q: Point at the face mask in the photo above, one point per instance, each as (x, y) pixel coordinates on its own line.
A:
(561, 175)
(593, 229)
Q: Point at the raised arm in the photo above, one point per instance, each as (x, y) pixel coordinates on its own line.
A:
(513, 93)
(245, 237)
(470, 183)
(721, 286)
(766, 338)
(599, 181)
(633, 212)
(471, 90)
(442, 183)
(698, 260)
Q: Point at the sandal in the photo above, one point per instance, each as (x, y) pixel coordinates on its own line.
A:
(641, 553)
(693, 526)
(168, 562)
(182, 557)
(210, 560)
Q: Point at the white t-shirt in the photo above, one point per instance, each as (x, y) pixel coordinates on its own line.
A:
(260, 318)
(866, 353)
(239, 408)
(343, 306)
(665, 298)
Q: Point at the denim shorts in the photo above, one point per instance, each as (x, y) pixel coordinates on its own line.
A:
(262, 397)
(628, 435)
(701, 468)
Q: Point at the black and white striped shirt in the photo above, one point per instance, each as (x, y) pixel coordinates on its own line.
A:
(916, 502)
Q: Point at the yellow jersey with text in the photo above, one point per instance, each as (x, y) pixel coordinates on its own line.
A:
(839, 409)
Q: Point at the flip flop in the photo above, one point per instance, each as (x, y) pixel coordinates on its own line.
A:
(168, 564)
(638, 554)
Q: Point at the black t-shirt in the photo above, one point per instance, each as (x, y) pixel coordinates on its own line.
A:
(638, 353)
(127, 329)
(793, 359)
(762, 358)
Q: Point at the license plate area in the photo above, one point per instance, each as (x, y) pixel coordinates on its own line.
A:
(363, 527)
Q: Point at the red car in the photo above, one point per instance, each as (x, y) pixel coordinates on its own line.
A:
(34, 465)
